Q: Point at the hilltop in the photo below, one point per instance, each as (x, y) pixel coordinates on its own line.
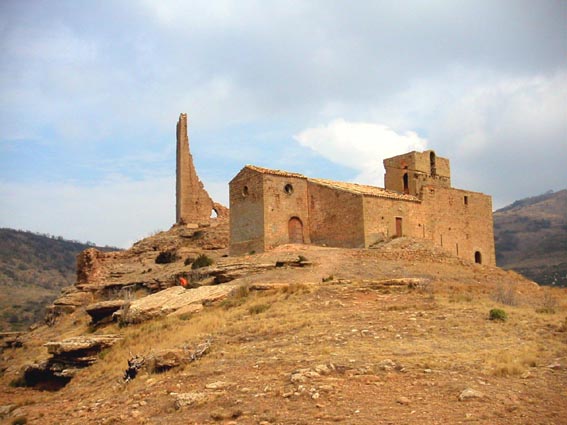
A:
(33, 270)
(298, 335)
(531, 237)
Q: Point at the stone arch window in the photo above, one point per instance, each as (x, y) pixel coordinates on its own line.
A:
(406, 183)
(477, 257)
(245, 191)
(432, 163)
(288, 188)
(214, 213)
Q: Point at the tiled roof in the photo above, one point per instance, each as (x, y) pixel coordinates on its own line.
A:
(275, 172)
(365, 190)
(359, 189)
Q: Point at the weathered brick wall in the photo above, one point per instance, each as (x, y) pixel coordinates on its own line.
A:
(417, 166)
(263, 202)
(335, 217)
(380, 219)
(246, 213)
(193, 203)
(460, 226)
(281, 205)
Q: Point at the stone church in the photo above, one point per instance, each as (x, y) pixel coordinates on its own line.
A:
(272, 207)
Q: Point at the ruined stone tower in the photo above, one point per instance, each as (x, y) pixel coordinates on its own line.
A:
(193, 203)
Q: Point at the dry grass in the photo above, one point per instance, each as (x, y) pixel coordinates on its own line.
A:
(512, 362)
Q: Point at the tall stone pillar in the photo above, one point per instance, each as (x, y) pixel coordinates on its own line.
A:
(193, 203)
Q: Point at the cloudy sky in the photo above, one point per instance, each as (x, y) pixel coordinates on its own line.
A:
(90, 92)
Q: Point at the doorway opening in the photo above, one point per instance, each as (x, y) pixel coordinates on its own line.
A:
(399, 227)
(406, 183)
(295, 230)
(478, 257)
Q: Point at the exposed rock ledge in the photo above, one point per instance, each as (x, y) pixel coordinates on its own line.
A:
(170, 301)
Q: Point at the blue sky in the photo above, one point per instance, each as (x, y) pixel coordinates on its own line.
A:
(91, 92)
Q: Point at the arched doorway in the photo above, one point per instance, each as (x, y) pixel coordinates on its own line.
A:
(477, 257)
(295, 230)
(406, 183)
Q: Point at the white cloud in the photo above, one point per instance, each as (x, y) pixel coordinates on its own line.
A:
(360, 145)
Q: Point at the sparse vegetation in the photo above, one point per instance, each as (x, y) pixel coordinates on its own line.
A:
(166, 257)
(20, 420)
(505, 295)
(301, 259)
(498, 315)
(258, 308)
(327, 279)
(188, 261)
(237, 297)
(548, 304)
(202, 261)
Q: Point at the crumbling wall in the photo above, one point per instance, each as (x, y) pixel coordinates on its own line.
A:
(193, 203)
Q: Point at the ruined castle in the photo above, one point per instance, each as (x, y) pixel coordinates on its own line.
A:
(272, 207)
(193, 203)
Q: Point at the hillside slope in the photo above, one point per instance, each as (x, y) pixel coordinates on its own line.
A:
(531, 237)
(33, 270)
(305, 334)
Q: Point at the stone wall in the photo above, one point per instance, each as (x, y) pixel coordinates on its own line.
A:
(380, 219)
(193, 203)
(421, 168)
(246, 213)
(264, 203)
(335, 217)
(460, 221)
(285, 198)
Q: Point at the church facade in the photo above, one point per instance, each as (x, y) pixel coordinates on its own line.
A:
(272, 207)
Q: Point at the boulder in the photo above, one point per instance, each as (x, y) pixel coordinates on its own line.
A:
(194, 398)
(470, 394)
(169, 301)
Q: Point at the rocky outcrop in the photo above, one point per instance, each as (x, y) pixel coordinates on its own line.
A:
(102, 311)
(169, 301)
(10, 340)
(67, 357)
(68, 302)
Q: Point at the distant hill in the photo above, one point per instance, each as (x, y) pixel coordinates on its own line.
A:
(531, 237)
(33, 270)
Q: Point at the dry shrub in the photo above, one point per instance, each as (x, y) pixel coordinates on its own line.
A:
(512, 363)
(505, 295)
(295, 288)
(548, 304)
(236, 297)
(258, 308)
(166, 257)
(202, 261)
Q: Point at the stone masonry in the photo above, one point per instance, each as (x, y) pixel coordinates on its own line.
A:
(193, 203)
(271, 207)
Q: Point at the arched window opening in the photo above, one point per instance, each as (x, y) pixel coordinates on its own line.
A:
(214, 213)
(406, 183)
(432, 163)
(245, 191)
(478, 257)
(288, 188)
